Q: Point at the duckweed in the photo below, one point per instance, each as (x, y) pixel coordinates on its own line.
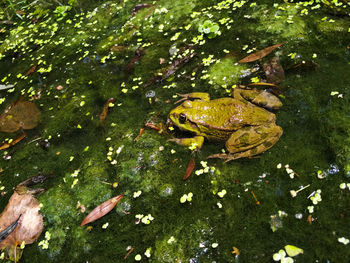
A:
(87, 52)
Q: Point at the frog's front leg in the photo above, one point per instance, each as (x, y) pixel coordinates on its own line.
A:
(193, 96)
(195, 142)
(250, 141)
(261, 98)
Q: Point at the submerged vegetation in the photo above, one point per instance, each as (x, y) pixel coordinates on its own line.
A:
(98, 71)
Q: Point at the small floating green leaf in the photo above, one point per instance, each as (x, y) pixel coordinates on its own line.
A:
(293, 251)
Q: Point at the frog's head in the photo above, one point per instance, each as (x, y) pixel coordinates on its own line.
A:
(181, 117)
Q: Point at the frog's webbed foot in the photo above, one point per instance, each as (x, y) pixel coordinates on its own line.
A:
(230, 156)
(193, 96)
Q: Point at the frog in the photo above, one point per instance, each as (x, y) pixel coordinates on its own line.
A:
(244, 121)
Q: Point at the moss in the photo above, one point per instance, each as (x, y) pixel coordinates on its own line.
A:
(227, 72)
(173, 246)
(73, 50)
(282, 20)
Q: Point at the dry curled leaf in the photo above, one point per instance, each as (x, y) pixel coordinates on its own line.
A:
(260, 54)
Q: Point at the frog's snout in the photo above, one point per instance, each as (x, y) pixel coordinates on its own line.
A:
(170, 122)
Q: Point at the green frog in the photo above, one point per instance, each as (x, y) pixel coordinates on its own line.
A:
(243, 122)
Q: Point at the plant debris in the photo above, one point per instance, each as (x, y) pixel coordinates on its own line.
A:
(104, 112)
(189, 169)
(101, 210)
(9, 144)
(19, 115)
(260, 54)
(22, 213)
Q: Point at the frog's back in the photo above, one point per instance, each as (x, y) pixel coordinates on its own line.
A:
(229, 114)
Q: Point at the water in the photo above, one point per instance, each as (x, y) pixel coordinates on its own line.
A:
(73, 49)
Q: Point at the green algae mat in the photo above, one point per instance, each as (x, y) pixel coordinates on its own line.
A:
(91, 84)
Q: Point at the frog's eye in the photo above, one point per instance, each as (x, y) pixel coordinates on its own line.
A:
(182, 118)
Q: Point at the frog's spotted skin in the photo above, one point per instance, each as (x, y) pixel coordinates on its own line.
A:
(247, 128)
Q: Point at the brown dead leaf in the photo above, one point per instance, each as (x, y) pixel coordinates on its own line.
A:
(22, 221)
(21, 114)
(31, 225)
(102, 209)
(104, 112)
(260, 54)
(189, 169)
(31, 70)
(138, 7)
(172, 68)
(6, 145)
(138, 55)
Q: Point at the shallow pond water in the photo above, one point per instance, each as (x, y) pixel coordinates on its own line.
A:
(142, 54)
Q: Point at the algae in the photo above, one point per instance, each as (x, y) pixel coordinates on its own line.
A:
(87, 52)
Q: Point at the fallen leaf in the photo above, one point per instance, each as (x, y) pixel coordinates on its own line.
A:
(235, 251)
(21, 114)
(305, 66)
(104, 113)
(153, 126)
(260, 54)
(138, 55)
(140, 133)
(171, 69)
(189, 169)
(31, 70)
(3, 87)
(20, 220)
(6, 145)
(262, 84)
(138, 7)
(293, 251)
(31, 223)
(7, 231)
(101, 210)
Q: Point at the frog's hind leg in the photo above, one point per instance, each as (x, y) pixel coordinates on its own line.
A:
(250, 141)
(260, 98)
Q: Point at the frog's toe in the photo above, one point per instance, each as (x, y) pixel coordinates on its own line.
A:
(176, 140)
(218, 155)
(226, 157)
(231, 156)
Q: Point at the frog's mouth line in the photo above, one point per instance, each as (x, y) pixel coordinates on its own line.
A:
(172, 122)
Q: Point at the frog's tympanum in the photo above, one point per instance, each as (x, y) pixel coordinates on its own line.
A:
(242, 122)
